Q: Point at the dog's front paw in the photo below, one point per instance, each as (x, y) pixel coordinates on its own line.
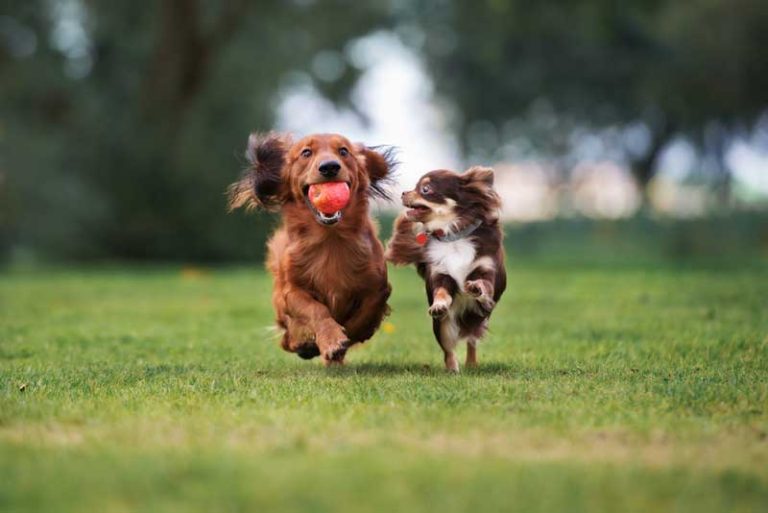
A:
(474, 287)
(336, 355)
(439, 309)
(335, 352)
(308, 351)
(333, 342)
(479, 290)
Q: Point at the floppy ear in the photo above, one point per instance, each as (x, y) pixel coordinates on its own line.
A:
(479, 175)
(261, 183)
(380, 164)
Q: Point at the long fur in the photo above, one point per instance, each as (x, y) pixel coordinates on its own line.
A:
(260, 184)
(402, 248)
(462, 260)
(330, 282)
(384, 160)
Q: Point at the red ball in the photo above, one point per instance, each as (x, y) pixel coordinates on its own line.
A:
(329, 197)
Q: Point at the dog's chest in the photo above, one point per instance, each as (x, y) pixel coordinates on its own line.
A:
(455, 258)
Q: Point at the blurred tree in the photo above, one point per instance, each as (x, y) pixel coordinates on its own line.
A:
(662, 67)
(120, 122)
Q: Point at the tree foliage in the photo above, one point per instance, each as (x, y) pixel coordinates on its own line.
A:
(130, 156)
(121, 123)
(695, 68)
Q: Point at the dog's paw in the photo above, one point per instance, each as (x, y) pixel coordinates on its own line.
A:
(439, 309)
(451, 363)
(486, 304)
(336, 354)
(308, 351)
(479, 290)
(474, 288)
(334, 351)
(333, 342)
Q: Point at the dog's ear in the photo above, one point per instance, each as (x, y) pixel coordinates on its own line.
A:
(380, 163)
(261, 183)
(479, 175)
(478, 181)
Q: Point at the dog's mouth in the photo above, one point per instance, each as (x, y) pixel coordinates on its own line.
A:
(416, 210)
(321, 217)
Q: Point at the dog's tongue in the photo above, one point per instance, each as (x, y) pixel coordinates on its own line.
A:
(329, 197)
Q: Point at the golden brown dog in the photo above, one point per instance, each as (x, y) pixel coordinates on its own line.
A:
(330, 278)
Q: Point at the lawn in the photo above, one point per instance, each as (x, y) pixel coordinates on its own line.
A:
(615, 388)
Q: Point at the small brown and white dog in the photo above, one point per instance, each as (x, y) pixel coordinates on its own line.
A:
(451, 233)
(330, 277)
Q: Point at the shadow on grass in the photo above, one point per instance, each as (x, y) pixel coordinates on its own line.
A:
(417, 369)
(489, 369)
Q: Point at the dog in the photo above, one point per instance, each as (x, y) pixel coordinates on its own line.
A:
(451, 232)
(330, 277)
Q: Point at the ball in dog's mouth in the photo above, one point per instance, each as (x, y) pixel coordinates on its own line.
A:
(326, 200)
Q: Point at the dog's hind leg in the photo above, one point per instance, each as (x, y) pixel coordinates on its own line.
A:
(447, 334)
(471, 352)
(440, 291)
(472, 326)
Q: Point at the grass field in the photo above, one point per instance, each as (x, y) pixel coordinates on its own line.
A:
(621, 388)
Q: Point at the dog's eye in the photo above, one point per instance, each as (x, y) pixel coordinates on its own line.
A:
(306, 153)
(426, 189)
(343, 152)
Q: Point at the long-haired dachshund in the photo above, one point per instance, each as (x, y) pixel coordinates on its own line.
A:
(451, 232)
(330, 277)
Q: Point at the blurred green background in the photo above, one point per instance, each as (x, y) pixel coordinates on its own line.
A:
(122, 122)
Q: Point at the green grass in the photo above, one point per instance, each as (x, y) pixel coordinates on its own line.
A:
(600, 389)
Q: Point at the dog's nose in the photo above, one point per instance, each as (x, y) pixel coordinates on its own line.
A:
(402, 196)
(329, 168)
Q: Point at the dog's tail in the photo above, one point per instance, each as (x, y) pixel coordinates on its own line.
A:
(403, 248)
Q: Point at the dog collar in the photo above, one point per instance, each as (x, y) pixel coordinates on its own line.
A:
(440, 235)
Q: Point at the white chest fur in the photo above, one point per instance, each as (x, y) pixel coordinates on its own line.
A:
(455, 258)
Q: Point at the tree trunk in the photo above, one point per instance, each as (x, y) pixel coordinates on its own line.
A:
(181, 60)
(716, 141)
(645, 168)
(177, 66)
